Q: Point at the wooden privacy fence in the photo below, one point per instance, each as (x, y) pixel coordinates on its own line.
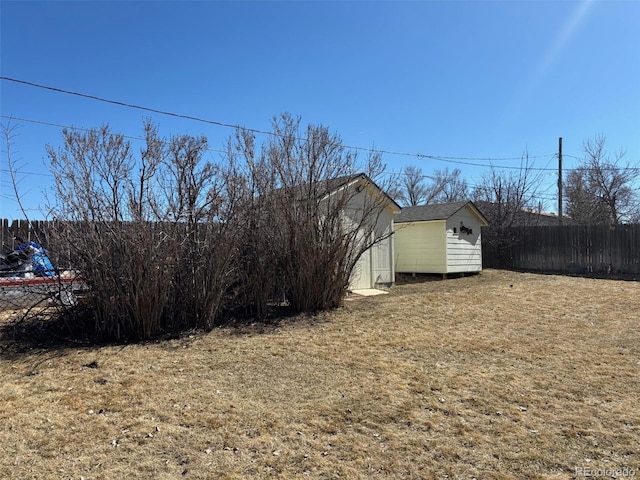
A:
(613, 249)
(558, 248)
(37, 231)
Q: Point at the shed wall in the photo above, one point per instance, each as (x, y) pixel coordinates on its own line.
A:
(376, 265)
(464, 251)
(420, 247)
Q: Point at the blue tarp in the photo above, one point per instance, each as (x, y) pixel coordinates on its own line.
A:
(40, 262)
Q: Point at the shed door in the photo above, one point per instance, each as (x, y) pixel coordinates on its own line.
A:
(361, 275)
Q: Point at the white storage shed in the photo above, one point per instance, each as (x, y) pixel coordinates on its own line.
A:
(375, 267)
(443, 238)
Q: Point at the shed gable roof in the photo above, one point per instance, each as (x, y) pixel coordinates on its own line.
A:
(440, 211)
(321, 190)
(333, 185)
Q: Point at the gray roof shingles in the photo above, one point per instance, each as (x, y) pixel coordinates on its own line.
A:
(423, 213)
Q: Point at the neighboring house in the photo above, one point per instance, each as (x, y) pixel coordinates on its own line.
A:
(375, 267)
(444, 238)
(521, 218)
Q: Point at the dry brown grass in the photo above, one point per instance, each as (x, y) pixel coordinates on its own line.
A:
(501, 375)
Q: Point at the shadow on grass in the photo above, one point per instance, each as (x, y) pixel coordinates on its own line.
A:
(414, 278)
(24, 332)
(45, 331)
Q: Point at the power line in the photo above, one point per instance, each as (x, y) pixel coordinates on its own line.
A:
(418, 155)
(543, 193)
(449, 159)
(87, 129)
(21, 172)
(461, 162)
(543, 169)
(124, 104)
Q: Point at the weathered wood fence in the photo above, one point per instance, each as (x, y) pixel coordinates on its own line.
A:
(37, 231)
(598, 249)
(582, 249)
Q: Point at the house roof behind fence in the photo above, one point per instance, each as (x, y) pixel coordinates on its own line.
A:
(526, 217)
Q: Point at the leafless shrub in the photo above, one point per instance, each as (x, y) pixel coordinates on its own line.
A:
(150, 236)
(308, 219)
(168, 241)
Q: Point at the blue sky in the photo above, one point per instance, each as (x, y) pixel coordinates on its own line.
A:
(455, 79)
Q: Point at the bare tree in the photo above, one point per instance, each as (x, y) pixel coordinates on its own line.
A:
(602, 189)
(413, 187)
(60, 294)
(452, 187)
(9, 132)
(583, 205)
(507, 200)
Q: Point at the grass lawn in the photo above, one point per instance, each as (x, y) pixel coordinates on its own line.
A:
(499, 375)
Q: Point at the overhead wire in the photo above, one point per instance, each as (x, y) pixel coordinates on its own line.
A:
(542, 194)
(442, 158)
(470, 161)
(387, 152)
(87, 129)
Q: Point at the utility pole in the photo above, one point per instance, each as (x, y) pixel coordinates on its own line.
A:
(560, 179)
